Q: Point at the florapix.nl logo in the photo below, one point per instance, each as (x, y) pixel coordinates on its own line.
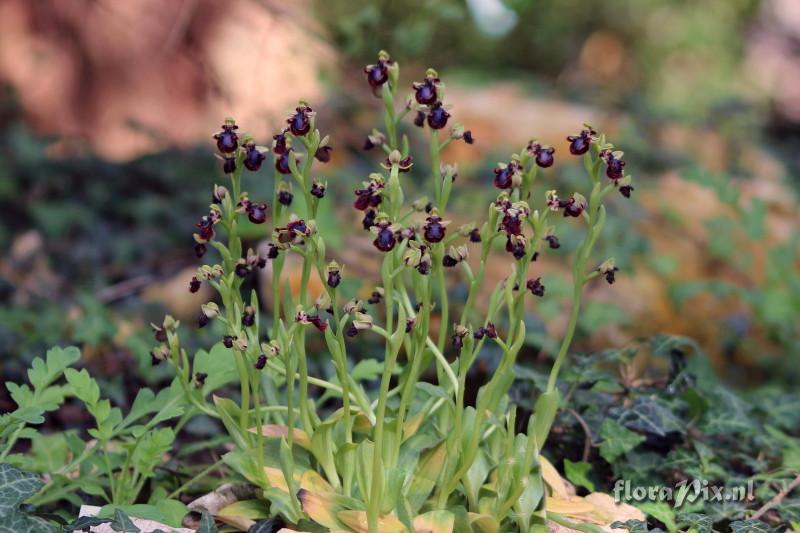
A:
(686, 491)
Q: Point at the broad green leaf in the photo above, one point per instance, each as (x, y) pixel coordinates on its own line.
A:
(151, 448)
(219, 364)
(750, 526)
(123, 523)
(661, 511)
(617, 440)
(701, 523)
(577, 473)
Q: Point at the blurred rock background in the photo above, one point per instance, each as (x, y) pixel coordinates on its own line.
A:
(107, 109)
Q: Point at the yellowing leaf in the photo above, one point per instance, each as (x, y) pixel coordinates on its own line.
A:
(275, 431)
(254, 509)
(412, 425)
(486, 523)
(553, 478)
(568, 506)
(357, 521)
(435, 522)
(308, 480)
(319, 508)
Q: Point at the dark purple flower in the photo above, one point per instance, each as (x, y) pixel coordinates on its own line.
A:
(579, 144)
(317, 190)
(205, 229)
(261, 362)
(227, 341)
(536, 287)
(475, 235)
(200, 378)
(449, 261)
(242, 270)
(229, 165)
(425, 92)
(285, 197)
(323, 154)
(504, 176)
(375, 298)
(279, 143)
(199, 249)
(552, 240)
(437, 116)
(468, 138)
(253, 157)
(615, 167)
(544, 156)
(257, 213)
(369, 219)
(227, 139)
(378, 74)
(300, 121)
(248, 317)
(282, 162)
(434, 230)
(516, 246)
(194, 285)
(419, 120)
(202, 320)
(272, 252)
(626, 190)
(334, 278)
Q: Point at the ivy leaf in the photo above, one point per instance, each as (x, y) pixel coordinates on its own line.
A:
(697, 521)
(661, 511)
(84, 523)
(648, 415)
(577, 473)
(266, 526)
(632, 526)
(207, 524)
(22, 523)
(750, 526)
(16, 486)
(617, 440)
(123, 523)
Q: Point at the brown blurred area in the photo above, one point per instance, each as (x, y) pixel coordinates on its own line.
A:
(128, 77)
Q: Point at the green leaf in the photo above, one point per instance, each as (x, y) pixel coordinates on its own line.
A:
(150, 450)
(750, 526)
(83, 386)
(207, 524)
(577, 473)
(700, 522)
(123, 523)
(633, 526)
(41, 374)
(218, 364)
(617, 440)
(367, 369)
(174, 511)
(661, 511)
(29, 415)
(83, 523)
(16, 486)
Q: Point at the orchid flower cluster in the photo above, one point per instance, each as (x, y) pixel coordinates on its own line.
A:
(411, 455)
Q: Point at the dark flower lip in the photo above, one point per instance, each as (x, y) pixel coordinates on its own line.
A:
(205, 229)
(468, 138)
(229, 165)
(300, 121)
(227, 139)
(579, 144)
(425, 92)
(282, 162)
(434, 230)
(334, 278)
(437, 116)
(385, 240)
(257, 213)
(615, 166)
(552, 240)
(535, 286)
(194, 285)
(378, 73)
(475, 235)
(253, 157)
(419, 119)
(199, 250)
(279, 145)
(261, 362)
(285, 198)
(504, 176)
(625, 190)
(323, 154)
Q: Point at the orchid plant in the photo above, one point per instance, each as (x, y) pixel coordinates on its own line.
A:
(414, 456)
